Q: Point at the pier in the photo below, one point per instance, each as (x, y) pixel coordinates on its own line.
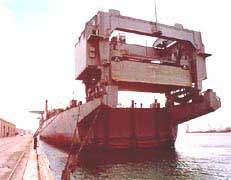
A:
(19, 159)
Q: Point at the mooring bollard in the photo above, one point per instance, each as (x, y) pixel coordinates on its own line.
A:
(35, 142)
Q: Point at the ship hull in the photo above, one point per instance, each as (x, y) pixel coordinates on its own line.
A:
(124, 128)
(113, 128)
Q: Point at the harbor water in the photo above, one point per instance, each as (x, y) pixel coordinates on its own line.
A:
(204, 156)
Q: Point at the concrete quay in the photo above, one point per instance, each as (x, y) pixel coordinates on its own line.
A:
(18, 160)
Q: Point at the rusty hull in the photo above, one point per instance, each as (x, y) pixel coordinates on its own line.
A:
(123, 128)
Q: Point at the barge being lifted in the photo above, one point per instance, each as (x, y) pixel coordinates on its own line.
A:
(175, 65)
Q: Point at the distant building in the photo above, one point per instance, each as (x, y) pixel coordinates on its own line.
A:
(7, 128)
(20, 131)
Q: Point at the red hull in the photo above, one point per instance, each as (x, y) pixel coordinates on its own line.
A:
(121, 128)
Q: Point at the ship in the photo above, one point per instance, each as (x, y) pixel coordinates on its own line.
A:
(175, 65)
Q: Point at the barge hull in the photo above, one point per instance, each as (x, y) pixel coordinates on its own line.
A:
(116, 128)
(123, 128)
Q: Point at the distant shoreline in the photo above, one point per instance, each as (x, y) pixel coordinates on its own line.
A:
(212, 131)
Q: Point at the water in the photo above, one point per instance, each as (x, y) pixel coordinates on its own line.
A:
(196, 156)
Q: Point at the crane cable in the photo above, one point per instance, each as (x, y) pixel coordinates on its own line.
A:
(66, 173)
(69, 167)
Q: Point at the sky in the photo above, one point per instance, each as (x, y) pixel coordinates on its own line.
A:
(37, 40)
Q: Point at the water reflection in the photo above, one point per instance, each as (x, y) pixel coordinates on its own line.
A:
(129, 164)
(145, 164)
(195, 157)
